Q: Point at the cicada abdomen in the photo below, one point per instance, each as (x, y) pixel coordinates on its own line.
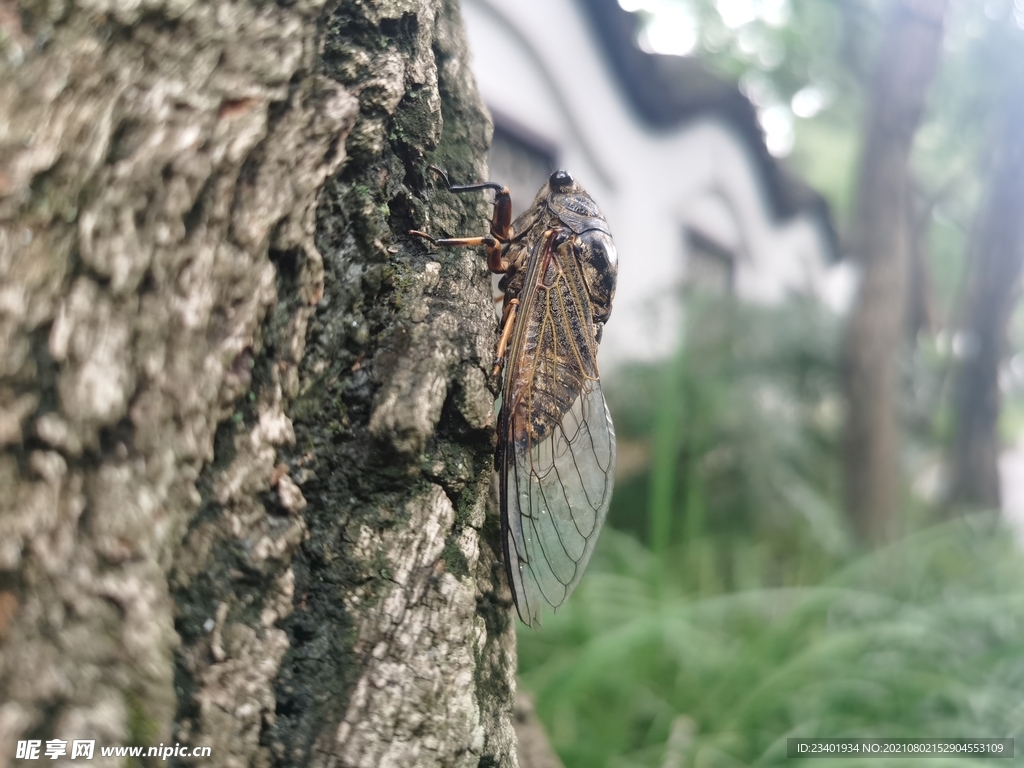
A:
(556, 441)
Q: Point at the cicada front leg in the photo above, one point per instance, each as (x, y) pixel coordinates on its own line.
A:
(501, 223)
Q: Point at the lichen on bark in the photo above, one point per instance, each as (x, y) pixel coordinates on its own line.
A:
(245, 435)
(396, 419)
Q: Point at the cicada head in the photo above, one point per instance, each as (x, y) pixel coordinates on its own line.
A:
(559, 183)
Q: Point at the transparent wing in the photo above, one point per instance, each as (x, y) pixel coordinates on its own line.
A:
(555, 496)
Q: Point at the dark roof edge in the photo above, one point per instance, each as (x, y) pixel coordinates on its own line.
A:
(669, 91)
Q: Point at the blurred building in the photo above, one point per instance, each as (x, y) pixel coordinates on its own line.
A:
(674, 156)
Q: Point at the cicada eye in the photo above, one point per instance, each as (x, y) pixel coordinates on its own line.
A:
(560, 181)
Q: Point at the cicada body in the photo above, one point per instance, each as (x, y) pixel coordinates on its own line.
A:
(556, 441)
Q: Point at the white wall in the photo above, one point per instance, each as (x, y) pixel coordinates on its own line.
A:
(538, 64)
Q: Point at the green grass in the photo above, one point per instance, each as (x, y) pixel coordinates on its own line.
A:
(742, 434)
(924, 638)
(727, 607)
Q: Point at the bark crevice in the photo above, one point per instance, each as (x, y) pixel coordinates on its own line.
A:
(204, 540)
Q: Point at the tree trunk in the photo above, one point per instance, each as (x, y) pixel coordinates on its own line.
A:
(997, 253)
(246, 422)
(904, 69)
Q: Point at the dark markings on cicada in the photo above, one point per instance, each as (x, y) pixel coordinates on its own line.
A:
(557, 444)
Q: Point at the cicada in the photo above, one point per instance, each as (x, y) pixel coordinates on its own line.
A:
(556, 442)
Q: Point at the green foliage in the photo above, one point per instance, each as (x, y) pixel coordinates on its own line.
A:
(825, 153)
(726, 610)
(740, 436)
(925, 638)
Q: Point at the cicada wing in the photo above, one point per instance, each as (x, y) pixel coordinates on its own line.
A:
(554, 499)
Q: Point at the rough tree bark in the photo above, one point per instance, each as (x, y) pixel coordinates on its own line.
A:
(246, 423)
(904, 69)
(996, 258)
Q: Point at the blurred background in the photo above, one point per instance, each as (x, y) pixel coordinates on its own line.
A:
(814, 366)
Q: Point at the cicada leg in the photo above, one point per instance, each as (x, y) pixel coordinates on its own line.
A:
(508, 321)
(495, 261)
(501, 223)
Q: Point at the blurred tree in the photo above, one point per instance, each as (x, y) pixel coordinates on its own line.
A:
(806, 67)
(246, 434)
(904, 69)
(995, 260)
